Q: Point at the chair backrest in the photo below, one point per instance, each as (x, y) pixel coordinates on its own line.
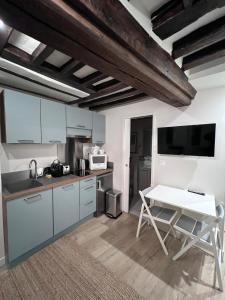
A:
(220, 212)
(143, 193)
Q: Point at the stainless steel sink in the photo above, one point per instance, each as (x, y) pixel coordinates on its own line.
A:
(22, 185)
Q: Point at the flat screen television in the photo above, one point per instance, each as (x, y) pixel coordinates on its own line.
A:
(194, 140)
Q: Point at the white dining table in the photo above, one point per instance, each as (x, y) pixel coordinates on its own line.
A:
(201, 204)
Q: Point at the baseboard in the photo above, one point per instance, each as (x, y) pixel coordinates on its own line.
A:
(2, 261)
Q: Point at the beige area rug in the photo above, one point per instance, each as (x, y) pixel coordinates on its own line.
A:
(62, 270)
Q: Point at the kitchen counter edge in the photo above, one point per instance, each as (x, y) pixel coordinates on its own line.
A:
(61, 181)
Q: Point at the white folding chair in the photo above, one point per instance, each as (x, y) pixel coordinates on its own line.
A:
(155, 213)
(207, 234)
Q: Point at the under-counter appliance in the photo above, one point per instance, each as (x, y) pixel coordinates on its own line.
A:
(97, 161)
(104, 184)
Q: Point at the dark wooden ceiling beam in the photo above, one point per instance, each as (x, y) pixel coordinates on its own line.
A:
(110, 98)
(71, 67)
(40, 54)
(129, 100)
(5, 33)
(204, 56)
(168, 20)
(110, 89)
(66, 30)
(203, 37)
(93, 78)
(115, 20)
(22, 58)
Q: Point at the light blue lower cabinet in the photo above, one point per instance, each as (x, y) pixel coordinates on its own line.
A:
(29, 223)
(87, 198)
(65, 206)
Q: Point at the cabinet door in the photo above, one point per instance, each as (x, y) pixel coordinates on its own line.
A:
(29, 223)
(87, 200)
(22, 118)
(98, 133)
(53, 122)
(66, 206)
(78, 118)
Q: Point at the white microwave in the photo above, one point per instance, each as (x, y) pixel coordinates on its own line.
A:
(97, 161)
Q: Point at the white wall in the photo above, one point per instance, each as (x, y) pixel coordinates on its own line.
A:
(205, 174)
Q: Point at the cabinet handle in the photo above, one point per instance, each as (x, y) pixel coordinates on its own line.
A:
(53, 142)
(89, 203)
(25, 141)
(32, 199)
(81, 126)
(88, 180)
(99, 142)
(67, 187)
(88, 188)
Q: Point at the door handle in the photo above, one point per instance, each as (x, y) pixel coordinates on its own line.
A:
(68, 187)
(89, 203)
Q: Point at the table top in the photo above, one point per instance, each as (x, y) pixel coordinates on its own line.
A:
(204, 205)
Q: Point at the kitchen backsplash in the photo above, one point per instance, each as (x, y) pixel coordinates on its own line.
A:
(17, 157)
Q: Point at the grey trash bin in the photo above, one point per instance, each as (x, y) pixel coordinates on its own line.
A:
(113, 203)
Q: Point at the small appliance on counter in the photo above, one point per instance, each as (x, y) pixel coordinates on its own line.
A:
(97, 161)
(58, 169)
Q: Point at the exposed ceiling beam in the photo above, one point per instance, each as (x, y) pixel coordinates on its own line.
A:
(204, 56)
(187, 3)
(136, 98)
(111, 98)
(66, 30)
(23, 59)
(168, 20)
(70, 67)
(93, 78)
(41, 53)
(5, 32)
(110, 89)
(200, 38)
(115, 20)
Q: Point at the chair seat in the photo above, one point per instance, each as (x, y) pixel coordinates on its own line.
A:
(162, 213)
(191, 226)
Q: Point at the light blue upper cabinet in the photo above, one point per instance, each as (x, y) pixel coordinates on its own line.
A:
(53, 122)
(78, 118)
(98, 133)
(66, 206)
(22, 117)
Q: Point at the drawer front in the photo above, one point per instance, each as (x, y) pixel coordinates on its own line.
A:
(87, 201)
(65, 206)
(30, 223)
(87, 182)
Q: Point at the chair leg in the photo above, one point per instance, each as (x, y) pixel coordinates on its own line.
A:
(217, 262)
(140, 221)
(184, 243)
(160, 239)
(173, 231)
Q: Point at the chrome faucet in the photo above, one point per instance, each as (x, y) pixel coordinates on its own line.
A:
(35, 169)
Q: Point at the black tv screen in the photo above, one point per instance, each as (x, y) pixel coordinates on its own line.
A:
(194, 140)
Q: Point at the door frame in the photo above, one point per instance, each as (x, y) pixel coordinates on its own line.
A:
(126, 156)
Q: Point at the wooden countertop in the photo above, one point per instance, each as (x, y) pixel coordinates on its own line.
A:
(50, 183)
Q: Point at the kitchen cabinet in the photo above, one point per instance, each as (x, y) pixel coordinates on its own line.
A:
(66, 206)
(29, 223)
(22, 118)
(53, 122)
(87, 197)
(78, 118)
(98, 132)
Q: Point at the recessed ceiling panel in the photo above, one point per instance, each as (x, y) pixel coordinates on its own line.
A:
(84, 72)
(103, 80)
(23, 41)
(58, 59)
